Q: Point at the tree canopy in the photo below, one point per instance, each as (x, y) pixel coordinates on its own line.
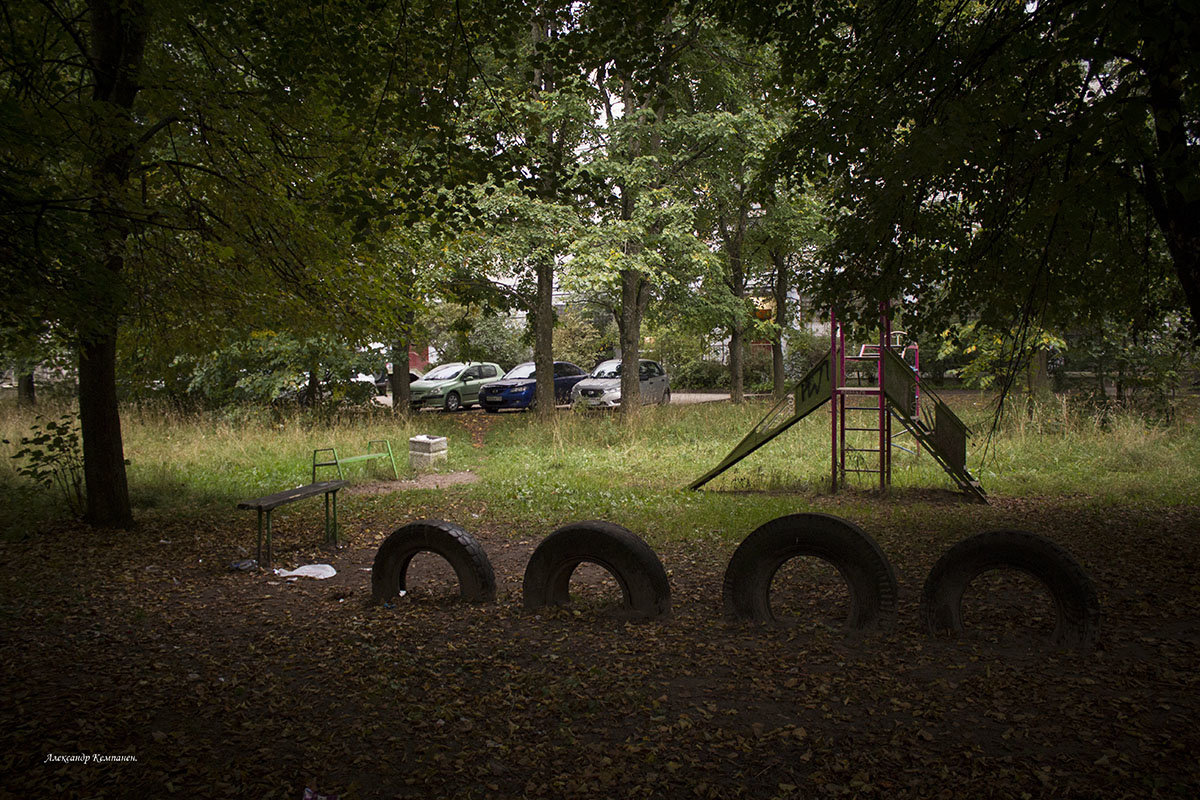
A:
(1006, 160)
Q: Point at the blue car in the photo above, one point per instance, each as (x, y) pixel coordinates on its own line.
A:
(519, 385)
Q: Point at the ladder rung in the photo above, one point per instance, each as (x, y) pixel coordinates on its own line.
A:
(863, 471)
(860, 408)
(860, 450)
(858, 389)
(871, 430)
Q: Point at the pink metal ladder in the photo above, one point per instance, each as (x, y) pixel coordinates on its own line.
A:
(861, 411)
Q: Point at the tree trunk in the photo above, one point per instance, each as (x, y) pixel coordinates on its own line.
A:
(100, 421)
(778, 379)
(1176, 161)
(26, 395)
(635, 296)
(543, 339)
(1037, 377)
(635, 289)
(737, 363)
(398, 379)
(313, 393)
(737, 286)
(543, 307)
(118, 38)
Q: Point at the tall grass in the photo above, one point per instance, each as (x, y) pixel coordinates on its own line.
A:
(594, 465)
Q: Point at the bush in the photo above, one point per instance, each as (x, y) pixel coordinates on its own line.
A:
(53, 457)
(701, 376)
(462, 334)
(581, 339)
(268, 367)
(803, 349)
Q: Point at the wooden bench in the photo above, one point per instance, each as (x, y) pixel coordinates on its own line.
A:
(272, 501)
(384, 452)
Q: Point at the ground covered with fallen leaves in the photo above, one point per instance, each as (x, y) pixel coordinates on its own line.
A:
(138, 664)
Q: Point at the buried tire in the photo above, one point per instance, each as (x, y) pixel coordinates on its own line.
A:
(863, 566)
(645, 591)
(1071, 590)
(476, 580)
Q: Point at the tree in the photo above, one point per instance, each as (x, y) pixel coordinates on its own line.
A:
(633, 78)
(542, 112)
(792, 233)
(732, 124)
(1013, 161)
(642, 239)
(176, 167)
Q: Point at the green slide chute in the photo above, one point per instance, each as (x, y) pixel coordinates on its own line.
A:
(806, 397)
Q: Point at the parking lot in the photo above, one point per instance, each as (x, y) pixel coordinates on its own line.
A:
(677, 399)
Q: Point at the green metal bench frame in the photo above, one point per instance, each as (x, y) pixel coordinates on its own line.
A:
(265, 505)
(338, 461)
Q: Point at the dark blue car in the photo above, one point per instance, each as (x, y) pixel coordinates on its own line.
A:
(519, 385)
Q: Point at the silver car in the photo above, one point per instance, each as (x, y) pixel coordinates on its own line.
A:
(602, 388)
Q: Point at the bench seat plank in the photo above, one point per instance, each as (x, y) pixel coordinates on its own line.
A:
(290, 495)
(264, 506)
(367, 457)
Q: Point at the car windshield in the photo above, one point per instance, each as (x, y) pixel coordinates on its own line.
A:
(444, 373)
(520, 371)
(608, 369)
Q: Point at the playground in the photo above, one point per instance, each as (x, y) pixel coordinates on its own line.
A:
(232, 683)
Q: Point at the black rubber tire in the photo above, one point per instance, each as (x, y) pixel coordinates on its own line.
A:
(491, 410)
(476, 580)
(666, 398)
(646, 592)
(452, 402)
(1074, 595)
(866, 570)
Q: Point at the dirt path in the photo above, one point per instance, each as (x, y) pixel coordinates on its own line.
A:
(224, 684)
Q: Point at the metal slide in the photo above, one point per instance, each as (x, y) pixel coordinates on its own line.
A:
(931, 422)
(934, 425)
(807, 396)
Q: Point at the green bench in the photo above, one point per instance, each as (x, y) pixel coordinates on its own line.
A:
(265, 505)
(334, 460)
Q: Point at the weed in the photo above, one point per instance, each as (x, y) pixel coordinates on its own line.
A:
(54, 459)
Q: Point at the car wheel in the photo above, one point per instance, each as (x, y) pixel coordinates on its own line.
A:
(490, 410)
(666, 398)
(453, 402)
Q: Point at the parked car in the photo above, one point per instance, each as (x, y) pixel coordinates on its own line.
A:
(518, 387)
(453, 386)
(602, 389)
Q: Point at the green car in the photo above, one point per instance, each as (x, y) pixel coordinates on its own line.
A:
(453, 386)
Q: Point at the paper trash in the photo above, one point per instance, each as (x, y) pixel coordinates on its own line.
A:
(318, 571)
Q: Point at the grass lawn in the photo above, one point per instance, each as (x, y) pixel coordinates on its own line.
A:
(144, 645)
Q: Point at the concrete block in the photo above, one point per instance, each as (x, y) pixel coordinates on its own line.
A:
(425, 451)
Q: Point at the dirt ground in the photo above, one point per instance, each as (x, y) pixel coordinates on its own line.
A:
(139, 664)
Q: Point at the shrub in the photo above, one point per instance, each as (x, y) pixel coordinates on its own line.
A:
(54, 458)
(701, 375)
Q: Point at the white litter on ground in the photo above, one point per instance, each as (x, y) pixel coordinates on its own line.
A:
(318, 571)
